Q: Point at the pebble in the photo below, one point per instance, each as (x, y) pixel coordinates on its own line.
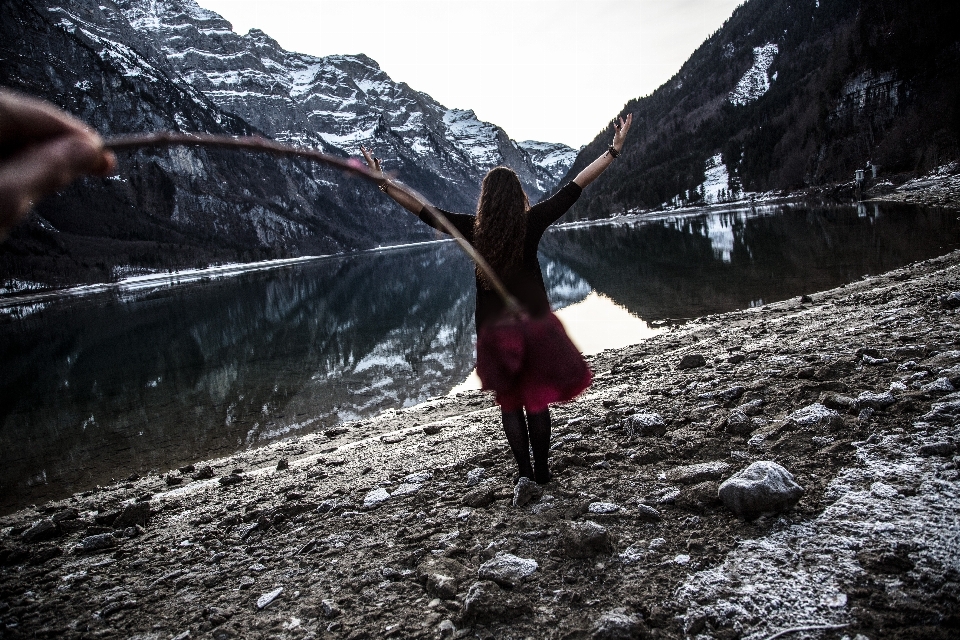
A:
(479, 498)
(375, 498)
(937, 449)
(940, 385)
(617, 625)
(67, 514)
(947, 410)
(406, 489)
(133, 515)
(952, 300)
(815, 414)
(507, 570)
(474, 476)
(645, 424)
(41, 530)
(682, 559)
(98, 542)
(876, 401)
(731, 394)
(329, 609)
(700, 472)
(691, 361)
(526, 491)
(419, 478)
(584, 540)
(442, 586)
(486, 602)
(204, 473)
(283, 464)
(446, 629)
(762, 487)
(267, 599)
(648, 513)
(603, 507)
(752, 408)
(839, 402)
(738, 423)
(232, 479)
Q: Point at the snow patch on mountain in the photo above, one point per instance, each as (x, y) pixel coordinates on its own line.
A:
(554, 157)
(755, 82)
(474, 137)
(716, 185)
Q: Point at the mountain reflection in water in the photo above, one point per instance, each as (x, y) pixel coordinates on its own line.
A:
(676, 267)
(95, 388)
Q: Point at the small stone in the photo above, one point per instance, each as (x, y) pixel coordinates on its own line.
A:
(375, 498)
(584, 540)
(283, 464)
(446, 628)
(617, 625)
(738, 423)
(940, 385)
(419, 478)
(204, 473)
(698, 495)
(172, 480)
(647, 513)
(736, 358)
(329, 609)
(752, 408)
(839, 403)
(815, 414)
(763, 487)
(868, 359)
(682, 559)
(407, 489)
(232, 479)
(603, 507)
(487, 602)
(136, 514)
(692, 473)
(645, 424)
(865, 414)
(98, 542)
(691, 361)
(45, 529)
(507, 570)
(948, 410)
(246, 582)
(474, 476)
(67, 514)
(937, 449)
(441, 586)
(267, 599)
(805, 299)
(876, 401)
(479, 498)
(731, 394)
(526, 491)
(952, 300)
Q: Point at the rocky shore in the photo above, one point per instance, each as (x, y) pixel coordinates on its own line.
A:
(409, 525)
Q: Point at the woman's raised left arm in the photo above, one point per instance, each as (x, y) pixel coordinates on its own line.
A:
(598, 166)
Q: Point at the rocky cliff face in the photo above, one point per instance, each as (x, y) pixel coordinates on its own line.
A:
(142, 66)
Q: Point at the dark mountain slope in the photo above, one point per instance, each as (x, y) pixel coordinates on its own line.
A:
(173, 208)
(846, 82)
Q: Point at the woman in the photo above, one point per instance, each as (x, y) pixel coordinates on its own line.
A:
(506, 231)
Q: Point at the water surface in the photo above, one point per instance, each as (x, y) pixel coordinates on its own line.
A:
(97, 387)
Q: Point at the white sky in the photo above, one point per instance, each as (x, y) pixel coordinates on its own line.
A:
(549, 70)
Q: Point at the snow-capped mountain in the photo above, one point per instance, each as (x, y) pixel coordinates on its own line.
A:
(138, 65)
(339, 101)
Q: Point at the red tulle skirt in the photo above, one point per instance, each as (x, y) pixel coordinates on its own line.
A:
(530, 362)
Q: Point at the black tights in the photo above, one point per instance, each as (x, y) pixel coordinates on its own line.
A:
(538, 427)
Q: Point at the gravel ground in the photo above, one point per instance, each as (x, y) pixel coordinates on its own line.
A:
(405, 526)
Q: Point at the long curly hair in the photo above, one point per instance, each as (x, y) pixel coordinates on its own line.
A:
(501, 222)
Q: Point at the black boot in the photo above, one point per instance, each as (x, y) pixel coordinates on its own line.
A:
(538, 425)
(515, 427)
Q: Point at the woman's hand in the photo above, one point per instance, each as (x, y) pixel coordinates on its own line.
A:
(372, 161)
(42, 149)
(622, 126)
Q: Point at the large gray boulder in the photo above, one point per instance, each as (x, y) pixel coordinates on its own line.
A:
(763, 487)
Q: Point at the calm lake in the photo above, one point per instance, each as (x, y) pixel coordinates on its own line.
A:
(127, 380)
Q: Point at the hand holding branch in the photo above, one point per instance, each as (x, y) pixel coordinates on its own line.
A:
(42, 149)
(404, 197)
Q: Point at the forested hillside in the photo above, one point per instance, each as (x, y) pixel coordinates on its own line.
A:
(791, 93)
